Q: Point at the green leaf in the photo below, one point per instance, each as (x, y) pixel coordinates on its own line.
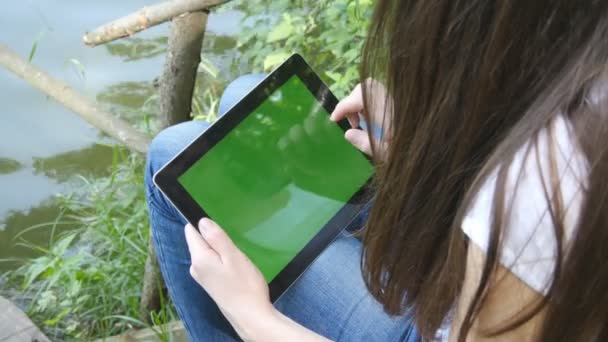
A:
(334, 76)
(35, 269)
(275, 59)
(281, 31)
(35, 45)
(62, 245)
(56, 319)
(207, 67)
(45, 300)
(80, 70)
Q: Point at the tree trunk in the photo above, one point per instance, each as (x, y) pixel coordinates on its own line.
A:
(176, 90)
(179, 75)
(153, 288)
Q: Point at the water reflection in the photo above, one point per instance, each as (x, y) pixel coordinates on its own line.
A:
(13, 231)
(127, 94)
(131, 101)
(37, 183)
(134, 48)
(8, 165)
(42, 144)
(94, 161)
(24, 189)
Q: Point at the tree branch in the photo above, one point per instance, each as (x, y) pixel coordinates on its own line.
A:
(145, 18)
(64, 94)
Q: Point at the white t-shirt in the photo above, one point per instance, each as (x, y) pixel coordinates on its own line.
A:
(529, 245)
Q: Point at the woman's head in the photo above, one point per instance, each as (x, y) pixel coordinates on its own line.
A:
(471, 81)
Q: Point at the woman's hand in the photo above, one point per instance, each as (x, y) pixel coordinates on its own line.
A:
(230, 278)
(380, 110)
(238, 288)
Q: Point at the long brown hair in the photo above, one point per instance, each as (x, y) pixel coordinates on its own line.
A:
(470, 82)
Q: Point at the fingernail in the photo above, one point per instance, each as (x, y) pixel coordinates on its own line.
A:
(203, 225)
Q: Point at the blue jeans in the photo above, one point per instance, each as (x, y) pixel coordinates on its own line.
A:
(330, 298)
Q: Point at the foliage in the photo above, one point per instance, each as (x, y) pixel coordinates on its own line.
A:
(328, 33)
(87, 283)
(207, 91)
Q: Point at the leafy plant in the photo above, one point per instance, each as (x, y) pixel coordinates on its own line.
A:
(328, 33)
(87, 283)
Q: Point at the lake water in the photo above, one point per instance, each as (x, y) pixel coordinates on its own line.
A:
(42, 144)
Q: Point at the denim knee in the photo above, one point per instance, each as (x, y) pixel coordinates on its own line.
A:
(170, 141)
(166, 145)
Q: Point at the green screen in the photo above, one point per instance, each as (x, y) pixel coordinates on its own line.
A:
(278, 177)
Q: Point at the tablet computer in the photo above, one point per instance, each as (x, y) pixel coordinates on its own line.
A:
(275, 173)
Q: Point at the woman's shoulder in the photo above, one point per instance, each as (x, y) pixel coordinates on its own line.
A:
(546, 175)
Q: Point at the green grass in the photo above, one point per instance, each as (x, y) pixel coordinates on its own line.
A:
(87, 283)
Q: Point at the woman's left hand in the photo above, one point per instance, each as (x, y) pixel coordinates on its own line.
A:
(229, 277)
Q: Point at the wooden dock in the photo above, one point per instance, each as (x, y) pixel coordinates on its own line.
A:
(173, 331)
(15, 326)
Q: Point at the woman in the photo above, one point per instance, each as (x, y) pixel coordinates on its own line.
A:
(491, 205)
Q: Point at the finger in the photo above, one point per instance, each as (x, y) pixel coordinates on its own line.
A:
(198, 247)
(217, 239)
(359, 139)
(349, 108)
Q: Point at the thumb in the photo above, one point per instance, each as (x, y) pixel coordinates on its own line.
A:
(217, 238)
(360, 139)
(198, 247)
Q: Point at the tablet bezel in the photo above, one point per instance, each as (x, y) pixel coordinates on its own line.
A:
(166, 179)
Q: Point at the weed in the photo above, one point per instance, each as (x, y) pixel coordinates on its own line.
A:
(87, 283)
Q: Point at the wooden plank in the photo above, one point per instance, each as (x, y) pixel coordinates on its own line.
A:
(15, 326)
(173, 331)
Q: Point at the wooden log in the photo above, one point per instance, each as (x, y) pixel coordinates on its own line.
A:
(64, 94)
(153, 286)
(145, 18)
(181, 65)
(15, 326)
(176, 90)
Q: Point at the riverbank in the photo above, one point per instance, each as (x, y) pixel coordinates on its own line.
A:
(86, 281)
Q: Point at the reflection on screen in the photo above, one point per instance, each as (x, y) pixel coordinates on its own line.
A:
(275, 180)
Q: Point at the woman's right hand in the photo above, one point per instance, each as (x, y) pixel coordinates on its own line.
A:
(351, 107)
